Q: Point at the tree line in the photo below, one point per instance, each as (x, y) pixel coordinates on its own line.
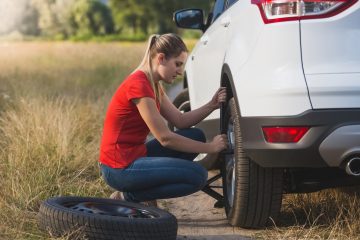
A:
(82, 18)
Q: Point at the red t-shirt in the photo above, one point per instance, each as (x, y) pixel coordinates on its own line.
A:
(125, 131)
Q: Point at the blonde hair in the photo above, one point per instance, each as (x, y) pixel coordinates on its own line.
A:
(171, 45)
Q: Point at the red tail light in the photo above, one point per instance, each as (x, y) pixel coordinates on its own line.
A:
(289, 10)
(284, 134)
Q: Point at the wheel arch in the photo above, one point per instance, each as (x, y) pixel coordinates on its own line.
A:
(227, 81)
(185, 81)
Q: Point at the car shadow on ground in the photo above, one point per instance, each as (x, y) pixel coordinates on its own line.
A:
(214, 223)
(213, 237)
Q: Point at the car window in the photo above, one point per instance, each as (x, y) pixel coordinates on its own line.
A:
(230, 2)
(218, 9)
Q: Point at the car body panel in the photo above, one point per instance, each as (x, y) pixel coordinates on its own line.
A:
(331, 59)
(254, 52)
(271, 82)
(209, 51)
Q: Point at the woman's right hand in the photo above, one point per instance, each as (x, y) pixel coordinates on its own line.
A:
(219, 143)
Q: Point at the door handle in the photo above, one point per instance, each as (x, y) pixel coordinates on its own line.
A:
(204, 39)
(225, 22)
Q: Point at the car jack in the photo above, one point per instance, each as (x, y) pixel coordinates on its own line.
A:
(209, 190)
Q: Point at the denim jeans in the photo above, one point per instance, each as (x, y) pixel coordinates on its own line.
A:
(164, 173)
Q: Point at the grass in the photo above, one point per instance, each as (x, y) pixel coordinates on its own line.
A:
(53, 98)
(328, 214)
(82, 70)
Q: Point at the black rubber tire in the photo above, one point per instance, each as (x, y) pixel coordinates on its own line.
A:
(258, 191)
(57, 217)
(182, 97)
(181, 102)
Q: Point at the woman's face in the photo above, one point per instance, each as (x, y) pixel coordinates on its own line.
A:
(170, 68)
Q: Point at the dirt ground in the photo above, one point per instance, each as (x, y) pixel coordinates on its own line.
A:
(199, 220)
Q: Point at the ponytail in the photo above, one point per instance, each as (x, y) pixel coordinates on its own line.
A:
(147, 66)
(171, 45)
(147, 56)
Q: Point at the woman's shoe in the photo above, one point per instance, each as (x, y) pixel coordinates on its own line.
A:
(117, 196)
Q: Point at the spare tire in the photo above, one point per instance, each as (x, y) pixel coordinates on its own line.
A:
(100, 219)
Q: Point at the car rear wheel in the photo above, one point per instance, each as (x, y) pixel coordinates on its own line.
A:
(252, 194)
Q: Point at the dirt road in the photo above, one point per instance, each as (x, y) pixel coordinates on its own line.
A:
(199, 220)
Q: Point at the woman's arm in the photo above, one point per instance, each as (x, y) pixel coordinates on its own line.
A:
(188, 119)
(167, 138)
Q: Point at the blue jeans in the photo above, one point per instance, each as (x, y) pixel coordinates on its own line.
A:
(164, 173)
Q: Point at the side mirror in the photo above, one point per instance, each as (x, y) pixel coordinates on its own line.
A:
(190, 19)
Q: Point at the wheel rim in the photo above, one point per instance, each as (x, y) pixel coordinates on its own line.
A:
(200, 157)
(110, 209)
(230, 165)
(184, 107)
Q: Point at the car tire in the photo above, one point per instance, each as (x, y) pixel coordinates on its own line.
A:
(252, 194)
(100, 219)
(181, 102)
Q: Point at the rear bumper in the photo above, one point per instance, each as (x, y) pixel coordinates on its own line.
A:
(305, 153)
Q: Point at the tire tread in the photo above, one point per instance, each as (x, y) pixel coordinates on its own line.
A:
(258, 190)
(59, 221)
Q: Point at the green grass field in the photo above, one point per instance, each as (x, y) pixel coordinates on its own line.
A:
(53, 98)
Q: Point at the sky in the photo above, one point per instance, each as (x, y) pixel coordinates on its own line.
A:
(11, 12)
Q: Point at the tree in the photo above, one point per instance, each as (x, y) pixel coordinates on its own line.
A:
(166, 8)
(62, 9)
(91, 17)
(64, 18)
(47, 19)
(156, 14)
(29, 24)
(133, 14)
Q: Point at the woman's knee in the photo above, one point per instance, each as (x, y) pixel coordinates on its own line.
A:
(201, 179)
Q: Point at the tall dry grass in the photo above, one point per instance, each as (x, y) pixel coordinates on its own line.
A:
(58, 69)
(328, 214)
(49, 147)
(53, 99)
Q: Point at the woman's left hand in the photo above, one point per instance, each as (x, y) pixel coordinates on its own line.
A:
(218, 98)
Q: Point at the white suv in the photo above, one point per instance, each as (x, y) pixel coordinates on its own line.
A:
(292, 71)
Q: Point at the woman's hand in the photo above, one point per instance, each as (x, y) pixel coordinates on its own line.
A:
(219, 143)
(218, 98)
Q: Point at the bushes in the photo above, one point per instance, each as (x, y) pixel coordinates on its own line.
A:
(89, 18)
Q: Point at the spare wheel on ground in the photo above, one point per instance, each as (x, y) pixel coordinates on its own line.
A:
(100, 218)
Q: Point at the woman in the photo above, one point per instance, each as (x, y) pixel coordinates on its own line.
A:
(163, 167)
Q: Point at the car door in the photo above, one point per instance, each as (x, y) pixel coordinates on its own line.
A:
(207, 58)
